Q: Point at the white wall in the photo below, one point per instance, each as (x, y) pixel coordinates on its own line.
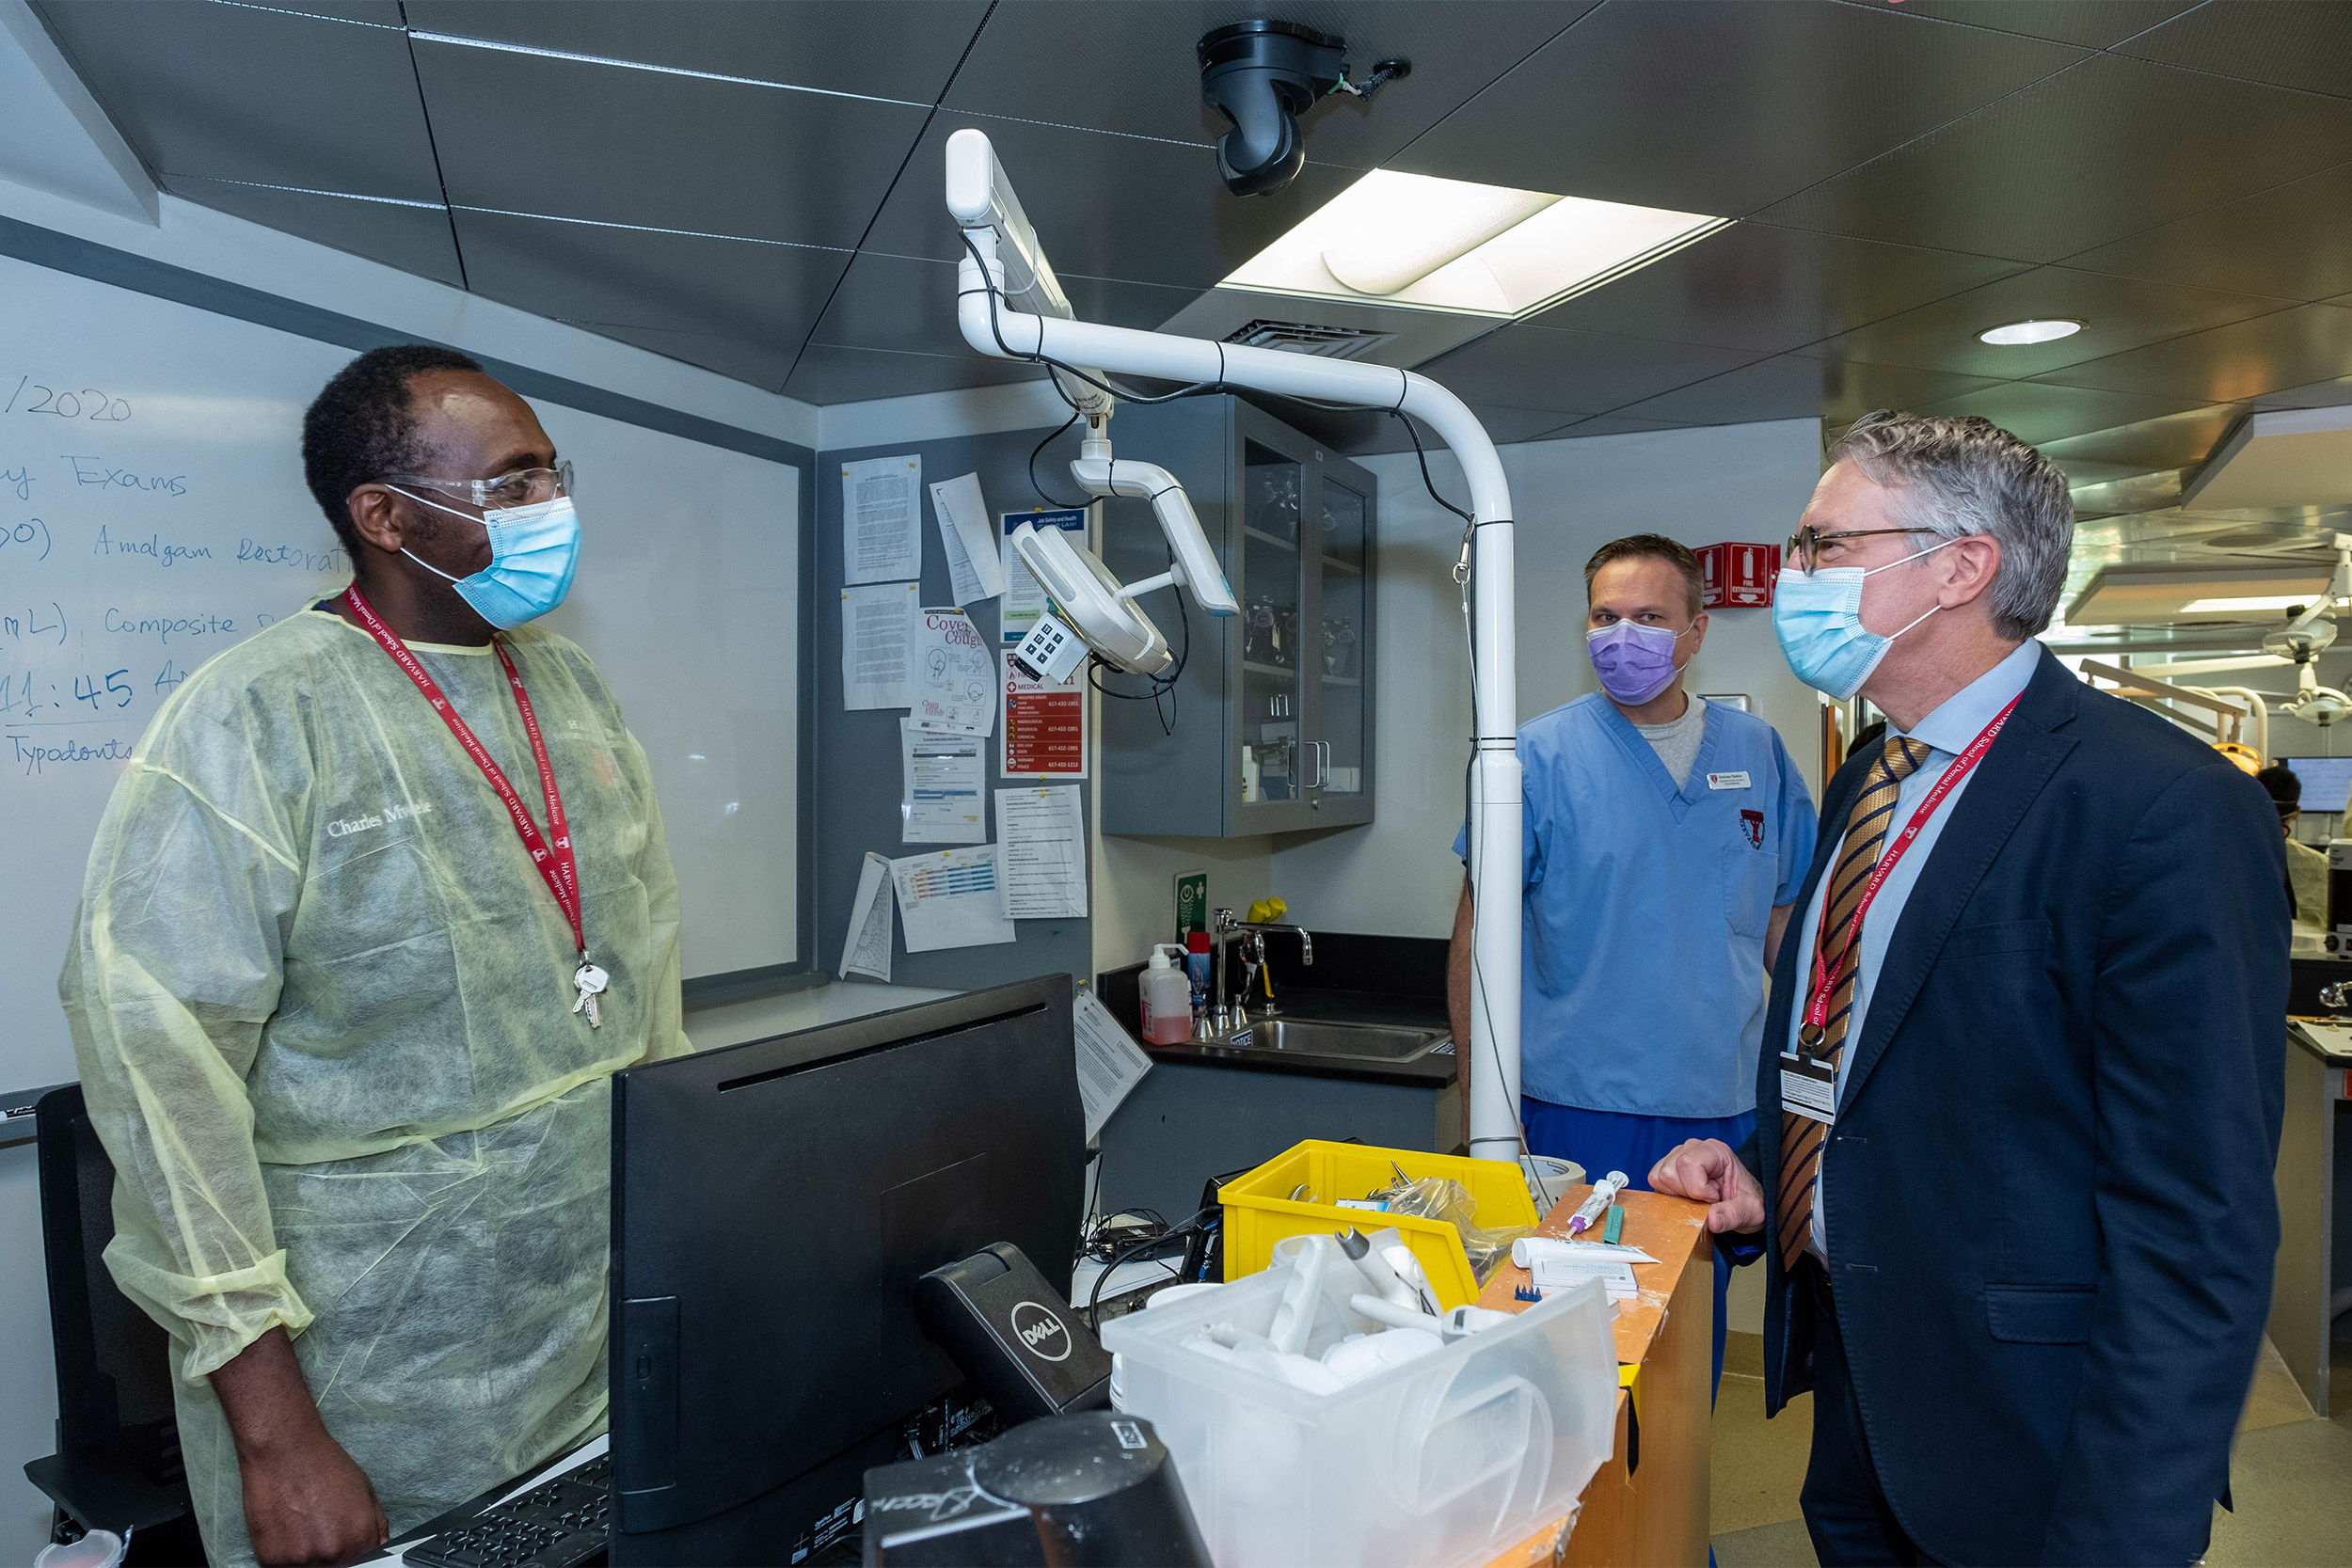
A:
(1398, 876)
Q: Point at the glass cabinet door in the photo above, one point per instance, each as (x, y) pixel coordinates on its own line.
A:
(1277, 649)
(1338, 650)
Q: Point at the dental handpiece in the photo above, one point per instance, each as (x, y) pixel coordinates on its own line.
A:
(1604, 1193)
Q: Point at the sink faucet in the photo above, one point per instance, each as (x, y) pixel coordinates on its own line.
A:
(1223, 928)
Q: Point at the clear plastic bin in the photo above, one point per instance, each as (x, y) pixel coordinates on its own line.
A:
(1443, 1461)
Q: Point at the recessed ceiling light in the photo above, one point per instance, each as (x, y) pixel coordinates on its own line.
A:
(1426, 244)
(2029, 332)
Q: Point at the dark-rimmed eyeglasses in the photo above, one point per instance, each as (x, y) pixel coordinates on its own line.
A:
(523, 487)
(1805, 546)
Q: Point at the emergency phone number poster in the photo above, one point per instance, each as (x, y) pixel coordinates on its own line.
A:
(1046, 728)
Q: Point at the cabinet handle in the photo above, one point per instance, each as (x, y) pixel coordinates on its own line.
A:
(1321, 749)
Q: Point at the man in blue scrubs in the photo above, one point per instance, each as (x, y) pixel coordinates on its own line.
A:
(1665, 839)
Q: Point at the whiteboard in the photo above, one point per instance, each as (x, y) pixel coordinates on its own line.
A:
(152, 514)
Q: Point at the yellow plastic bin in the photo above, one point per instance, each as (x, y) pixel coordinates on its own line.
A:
(1259, 1212)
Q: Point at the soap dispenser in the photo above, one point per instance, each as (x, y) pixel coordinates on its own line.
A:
(1167, 997)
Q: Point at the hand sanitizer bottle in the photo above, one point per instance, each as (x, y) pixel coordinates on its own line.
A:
(1167, 998)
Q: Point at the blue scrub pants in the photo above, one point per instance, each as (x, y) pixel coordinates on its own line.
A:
(1603, 1141)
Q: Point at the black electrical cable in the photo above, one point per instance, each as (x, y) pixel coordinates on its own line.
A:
(1095, 1300)
(1039, 448)
(996, 326)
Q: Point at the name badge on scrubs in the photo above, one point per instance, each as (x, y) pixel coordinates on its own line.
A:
(1808, 1086)
(1727, 781)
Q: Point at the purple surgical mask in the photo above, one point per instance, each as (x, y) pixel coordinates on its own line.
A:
(1634, 662)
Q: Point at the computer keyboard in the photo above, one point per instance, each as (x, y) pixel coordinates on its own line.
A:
(562, 1523)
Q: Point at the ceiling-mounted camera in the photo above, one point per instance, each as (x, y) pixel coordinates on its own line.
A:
(1261, 76)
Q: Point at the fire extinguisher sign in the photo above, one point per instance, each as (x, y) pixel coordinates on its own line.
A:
(1738, 576)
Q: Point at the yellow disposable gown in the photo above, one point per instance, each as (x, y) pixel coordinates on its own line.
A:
(322, 1002)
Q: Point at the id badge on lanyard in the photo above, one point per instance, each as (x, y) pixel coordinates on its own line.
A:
(1808, 1087)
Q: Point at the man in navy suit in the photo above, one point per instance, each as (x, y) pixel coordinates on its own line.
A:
(2020, 1097)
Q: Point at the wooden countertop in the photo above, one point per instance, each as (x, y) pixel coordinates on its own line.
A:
(1654, 1515)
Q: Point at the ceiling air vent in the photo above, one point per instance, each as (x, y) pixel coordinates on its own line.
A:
(1325, 343)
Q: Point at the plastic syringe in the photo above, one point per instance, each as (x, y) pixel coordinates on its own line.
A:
(1604, 1193)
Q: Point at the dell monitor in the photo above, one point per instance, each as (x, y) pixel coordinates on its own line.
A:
(773, 1205)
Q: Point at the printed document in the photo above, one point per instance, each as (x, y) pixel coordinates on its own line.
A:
(969, 538)
(877, 642)
(950, 898)
(1110, 1064)
(866, 950)
(955, 674)
(1041, 838)
(939, 796)
(882, 519)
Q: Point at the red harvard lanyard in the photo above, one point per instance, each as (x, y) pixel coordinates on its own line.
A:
(1827, 975)
(554, 860)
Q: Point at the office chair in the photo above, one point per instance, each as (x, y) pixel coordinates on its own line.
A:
(118, 1461)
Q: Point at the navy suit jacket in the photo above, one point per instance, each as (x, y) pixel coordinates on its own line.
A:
(2049, 1200)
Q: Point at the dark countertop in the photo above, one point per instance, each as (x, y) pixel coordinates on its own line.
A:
(1387, 980)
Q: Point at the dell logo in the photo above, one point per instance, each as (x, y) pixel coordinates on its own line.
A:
(1041, 1333)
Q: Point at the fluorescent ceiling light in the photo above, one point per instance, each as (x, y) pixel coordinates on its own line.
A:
(2260, 601)
(1426, 244)
(2028, 332)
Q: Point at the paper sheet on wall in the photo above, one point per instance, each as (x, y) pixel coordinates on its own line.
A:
(1024, 600)
(939, 794)
(882, 519)
(1110, 1064)
(877, 645)
(954, 675)
(971, 544)
(1045, 726)
(951, 898)
(865, 948)
(1041, 847)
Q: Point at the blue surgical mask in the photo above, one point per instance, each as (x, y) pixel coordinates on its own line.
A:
(533, 551)
(1817, 618)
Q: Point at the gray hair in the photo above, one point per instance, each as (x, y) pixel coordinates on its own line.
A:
(1963, 476)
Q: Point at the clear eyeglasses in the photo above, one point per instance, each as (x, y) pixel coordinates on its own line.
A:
(1805, 544)
(523, 487)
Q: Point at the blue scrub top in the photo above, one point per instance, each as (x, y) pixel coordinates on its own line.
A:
(1642, 976)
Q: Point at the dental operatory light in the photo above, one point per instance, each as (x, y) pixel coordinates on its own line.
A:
(2015, 332)
(2259, 601)
(1427, 244)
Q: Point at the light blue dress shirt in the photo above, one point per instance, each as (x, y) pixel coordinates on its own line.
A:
(1949, 729)
(1642, 972)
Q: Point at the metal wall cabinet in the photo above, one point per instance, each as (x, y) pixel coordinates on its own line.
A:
(1270, 726)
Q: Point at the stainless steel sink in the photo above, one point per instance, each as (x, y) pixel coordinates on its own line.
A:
(1354, 1041)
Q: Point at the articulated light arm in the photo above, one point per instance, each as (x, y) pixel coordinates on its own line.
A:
(981, 199)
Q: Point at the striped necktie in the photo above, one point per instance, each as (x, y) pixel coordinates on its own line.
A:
(1866, 828)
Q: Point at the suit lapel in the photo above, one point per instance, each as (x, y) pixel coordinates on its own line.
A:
(2007, 781)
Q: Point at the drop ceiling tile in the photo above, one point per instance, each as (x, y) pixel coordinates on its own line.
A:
(2120, 313)
(373, 13)
(414, 239)
(2294, 242)
(239, 92)
(763, 365)
(909, 304)
(2101, 151)
(2094, 24)
(766, 294)
(2038, 414)
(1753, 286)
(1573, 372)
(1107, 206)
(1131, 68)
(2229, 364)
(2169, 441)
(1794, 386)
(906, 49)
(2294, 45)
(1608, 424)
(828, 373)
(1722, 108)
(531, 135)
